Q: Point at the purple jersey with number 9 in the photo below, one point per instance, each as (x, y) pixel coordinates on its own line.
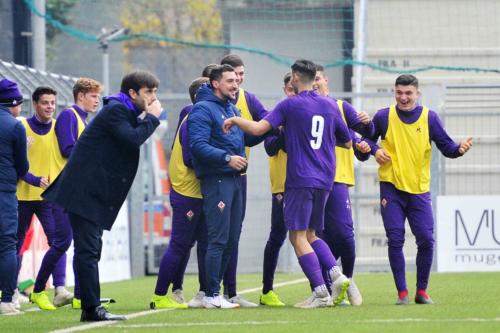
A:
(313, 125)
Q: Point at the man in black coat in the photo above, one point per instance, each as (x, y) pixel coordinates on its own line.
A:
(95, 182)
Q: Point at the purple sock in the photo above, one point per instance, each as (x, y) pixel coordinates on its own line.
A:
(324, 254)
(312, 269)
(168, 270)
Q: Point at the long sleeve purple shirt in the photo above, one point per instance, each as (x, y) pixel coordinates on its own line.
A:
(351, 117)
(275, 141)
(40, 129)
(256, 108)
(437, 132)
(67, 129)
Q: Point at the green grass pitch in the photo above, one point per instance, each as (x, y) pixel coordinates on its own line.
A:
(464, 302)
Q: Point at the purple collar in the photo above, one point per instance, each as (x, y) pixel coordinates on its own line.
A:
(124, 99)
(80, 112)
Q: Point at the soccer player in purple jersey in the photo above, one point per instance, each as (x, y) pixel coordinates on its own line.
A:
(339, 228)
(313, 128)
(44, 157)
(252, 109)
(406, 131)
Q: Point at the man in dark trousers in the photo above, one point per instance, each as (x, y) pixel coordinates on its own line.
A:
(218, 160)
(99, 174)
(13, 165)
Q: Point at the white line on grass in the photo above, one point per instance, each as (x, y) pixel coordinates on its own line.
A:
(106, 323)
(151, 312)
(220, 323)
(256, 323)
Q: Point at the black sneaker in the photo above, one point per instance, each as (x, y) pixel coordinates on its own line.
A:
(99, 314)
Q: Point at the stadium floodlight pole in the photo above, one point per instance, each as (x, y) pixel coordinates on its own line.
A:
(358, 101)
(38, 37)
(360, 54)
(104, 38)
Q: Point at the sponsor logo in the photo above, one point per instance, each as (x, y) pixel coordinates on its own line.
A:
(383, 202)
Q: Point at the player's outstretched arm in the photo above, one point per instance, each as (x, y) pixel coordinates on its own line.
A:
(465, 145)
(247, 126)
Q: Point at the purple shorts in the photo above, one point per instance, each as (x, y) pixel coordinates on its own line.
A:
(304, 208)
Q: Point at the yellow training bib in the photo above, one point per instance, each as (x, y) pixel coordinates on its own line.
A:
(277, 171)
(183, 179)
(241, 104)
(344, 158)
(410, 150)
(44, 157)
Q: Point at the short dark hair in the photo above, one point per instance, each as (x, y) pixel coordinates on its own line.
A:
(137, 80)
(217, 72)
(320, 68)
(42, 91)
(287, 78)
(195, 85)
(306, 70)
(233, 60)
(407, 80)
(208, 68)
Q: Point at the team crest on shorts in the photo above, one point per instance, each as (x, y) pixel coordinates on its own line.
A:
(190, 215)
(383, 202)
(221, 206)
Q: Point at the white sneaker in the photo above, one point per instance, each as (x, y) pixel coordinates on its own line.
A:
(19, 299)
(62, 297)
(178, 296)
(197, 300)
(218, 302)
(242, 302)
(354, 294)
(9, 309)
(316, 300)
(339, 286)
(305, 302)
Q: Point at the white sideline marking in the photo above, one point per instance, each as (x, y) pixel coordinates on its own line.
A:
(220, 323)
(150, 312)
(275, 285)
(106, 323)
(255, 323)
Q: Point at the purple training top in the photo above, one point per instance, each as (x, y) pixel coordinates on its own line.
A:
(184, 112)
(313, 125)
(436, 130)
(67, 129)
(255, 107)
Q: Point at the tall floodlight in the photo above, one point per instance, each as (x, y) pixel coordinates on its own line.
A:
(104, 38)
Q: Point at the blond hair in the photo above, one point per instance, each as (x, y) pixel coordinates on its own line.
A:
(85, 85)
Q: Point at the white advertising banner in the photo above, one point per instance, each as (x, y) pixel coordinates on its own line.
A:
(468, 236)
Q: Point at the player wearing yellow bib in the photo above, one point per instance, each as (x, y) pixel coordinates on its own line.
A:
(406, 131)
(275, 148)
(252, 109)
(70, 124)
(44, 158)
(339, 226)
